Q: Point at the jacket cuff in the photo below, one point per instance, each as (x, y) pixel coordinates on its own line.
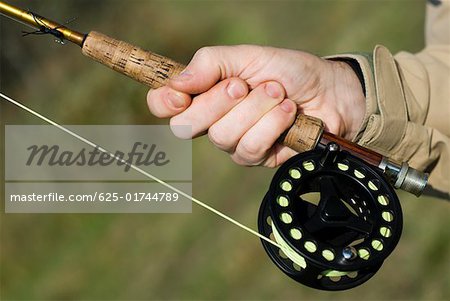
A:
(385, 121)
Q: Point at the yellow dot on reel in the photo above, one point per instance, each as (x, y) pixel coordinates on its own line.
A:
(286, 186)
(295, 233)
(387, 216)
(310, 246)
(364, 254)
(373, 186)
(309, 165)
(359, 174)
(272, 236)
(282, 201)
(353, 274)
(383, 200)
(286, 218)
(385, 231)
(343, 166)
(282, 254)
(295, 173)
(296, 267)
(328, 255)
(377, 245)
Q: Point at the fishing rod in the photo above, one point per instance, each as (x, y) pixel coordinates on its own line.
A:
(155, 70)
(335, 243)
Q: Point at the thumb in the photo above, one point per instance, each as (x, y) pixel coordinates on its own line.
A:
(211, 64)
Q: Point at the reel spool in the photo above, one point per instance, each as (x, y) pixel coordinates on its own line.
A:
(336, 218)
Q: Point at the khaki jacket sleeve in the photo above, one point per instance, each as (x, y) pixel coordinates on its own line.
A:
(408, 101)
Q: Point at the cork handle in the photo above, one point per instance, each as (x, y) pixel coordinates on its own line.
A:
(155, 70)
(146, 67)
(304, 134)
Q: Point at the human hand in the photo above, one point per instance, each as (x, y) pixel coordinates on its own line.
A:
(247, 96)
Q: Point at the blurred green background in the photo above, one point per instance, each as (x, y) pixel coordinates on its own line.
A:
(191, 256)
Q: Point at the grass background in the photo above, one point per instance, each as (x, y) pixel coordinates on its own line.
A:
(191, 256)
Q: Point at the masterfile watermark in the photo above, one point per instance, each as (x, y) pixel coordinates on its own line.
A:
(48, 171)
(141, 154)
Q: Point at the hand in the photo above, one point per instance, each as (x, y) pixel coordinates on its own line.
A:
(246, 96)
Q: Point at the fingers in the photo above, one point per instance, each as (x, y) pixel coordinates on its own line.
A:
(228, 131)
(256, 147)
(209, 107)
(247, 125)
(166, 102)
(211, 64)
(277, 155)
(208, 66)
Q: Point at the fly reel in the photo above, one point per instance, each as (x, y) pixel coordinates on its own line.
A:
(335, 217)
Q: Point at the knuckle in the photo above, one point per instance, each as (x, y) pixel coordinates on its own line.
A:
(204, 53)
(250, 152)
(219, 138)
(238, 160)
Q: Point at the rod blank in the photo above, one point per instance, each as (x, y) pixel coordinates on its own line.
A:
(39, 22)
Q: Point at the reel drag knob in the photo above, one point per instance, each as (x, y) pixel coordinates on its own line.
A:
(335, 218)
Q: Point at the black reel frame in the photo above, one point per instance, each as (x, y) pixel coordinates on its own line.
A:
(337, 213)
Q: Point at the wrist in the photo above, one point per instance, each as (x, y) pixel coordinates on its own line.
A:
(349, 97)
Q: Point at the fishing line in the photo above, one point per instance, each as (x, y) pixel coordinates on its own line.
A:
(81, 138)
